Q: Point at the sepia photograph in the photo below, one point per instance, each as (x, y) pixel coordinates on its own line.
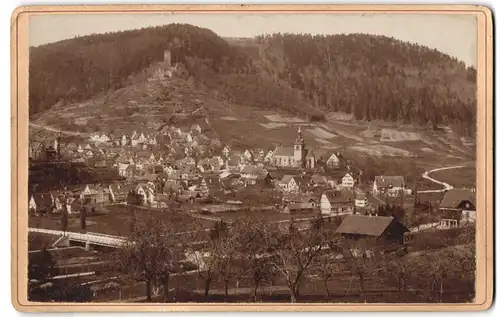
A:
(253, 158)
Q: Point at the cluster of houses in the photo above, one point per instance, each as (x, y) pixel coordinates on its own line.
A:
(187, 166)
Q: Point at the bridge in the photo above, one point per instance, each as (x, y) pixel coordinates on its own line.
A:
(89, 238)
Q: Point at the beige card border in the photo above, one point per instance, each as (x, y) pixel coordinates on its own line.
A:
(19, 163)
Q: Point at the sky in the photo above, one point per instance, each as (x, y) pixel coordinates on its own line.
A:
(455, 35)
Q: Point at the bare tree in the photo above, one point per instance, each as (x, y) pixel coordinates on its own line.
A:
(207, 258)
(295, 254)
(362, 259)
(327, 264)
(227, 266)
(151, 252)
(253, 244)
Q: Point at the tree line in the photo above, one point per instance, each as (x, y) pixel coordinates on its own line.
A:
(253, 253)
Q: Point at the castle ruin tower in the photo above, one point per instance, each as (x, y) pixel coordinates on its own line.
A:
(167, 58)
(299, 149)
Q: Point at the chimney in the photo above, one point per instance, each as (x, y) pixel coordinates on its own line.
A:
(167, 58)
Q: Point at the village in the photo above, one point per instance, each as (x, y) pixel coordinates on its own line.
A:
(174, 170)
(183, 177)
(186, 167)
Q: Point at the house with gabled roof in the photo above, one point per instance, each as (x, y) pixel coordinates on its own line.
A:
(336, 203)
(289, 183)
(40, 203)
(234, 163)
(333, 160)
(248, 156)
(145, 194)
(361, 200)
(382, 229)
(348, 181)
(388, 185)
(195, 128)
(96, 194)
(268, 158)
(251, 175)
(457, 207)
(226, 151)
(299, 207)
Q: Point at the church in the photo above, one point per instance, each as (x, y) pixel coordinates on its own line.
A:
(297, 156)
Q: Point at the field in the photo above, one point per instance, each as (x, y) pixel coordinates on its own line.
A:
(112, 222)
(321, 133)
(268, 216)
(388, 135)
(280, 118)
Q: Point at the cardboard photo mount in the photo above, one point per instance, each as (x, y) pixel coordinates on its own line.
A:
(19, 149)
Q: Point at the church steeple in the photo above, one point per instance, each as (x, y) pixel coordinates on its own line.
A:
(299, 148)
(299, 139)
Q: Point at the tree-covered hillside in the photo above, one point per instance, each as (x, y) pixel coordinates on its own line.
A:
(374, 77)
(371, 77)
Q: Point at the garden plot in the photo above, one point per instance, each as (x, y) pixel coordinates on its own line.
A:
(389, 135)
(322, 141)
(321, 133)
(279, 118)
(381, 150)
(340, 116)
(229, 118)
(349, 135)
(273, 125)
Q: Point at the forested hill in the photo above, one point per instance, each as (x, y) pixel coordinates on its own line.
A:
(372, 77)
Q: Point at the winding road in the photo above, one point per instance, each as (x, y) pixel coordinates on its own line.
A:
(446, 186)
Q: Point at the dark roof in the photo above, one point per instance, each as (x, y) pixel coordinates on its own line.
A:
(163, 139)
(298, 206)
(365, 225)
(144, 154)
(43, 200)
(454, 197)
(339, 196)
(171, 185)
(318, 178)
(389, 181)
(287, 178)
(360, 196)
(284, 151)
(257, 170)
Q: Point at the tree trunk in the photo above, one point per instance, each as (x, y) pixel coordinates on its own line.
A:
(441, 291)
(207, 286)
(148, 290)
(226, 288)
(293, 297)
(166, 280)
(362, 285)
(256, 287)
(327, 291)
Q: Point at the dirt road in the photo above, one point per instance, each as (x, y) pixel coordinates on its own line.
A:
(446, 186)
(72, 133)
